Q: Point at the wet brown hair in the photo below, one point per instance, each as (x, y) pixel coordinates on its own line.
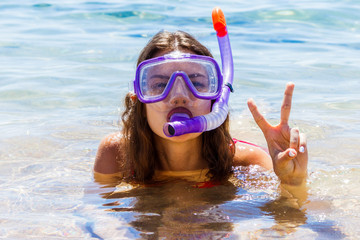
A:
(140, 151)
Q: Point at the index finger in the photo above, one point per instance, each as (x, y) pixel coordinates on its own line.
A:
(258, 117)
(286, 104)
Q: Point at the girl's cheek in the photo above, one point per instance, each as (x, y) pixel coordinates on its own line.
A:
(204, 107)
(156, 118)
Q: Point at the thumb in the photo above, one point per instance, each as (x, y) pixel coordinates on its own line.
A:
(286, 156)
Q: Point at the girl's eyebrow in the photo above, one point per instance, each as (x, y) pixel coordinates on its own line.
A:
(159, 76)
(197, 74)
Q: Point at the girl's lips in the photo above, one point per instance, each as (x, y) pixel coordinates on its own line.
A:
(179, 110)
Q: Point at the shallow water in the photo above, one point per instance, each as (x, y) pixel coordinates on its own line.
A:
(65, 69)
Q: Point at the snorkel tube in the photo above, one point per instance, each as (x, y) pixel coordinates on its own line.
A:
(181, 124)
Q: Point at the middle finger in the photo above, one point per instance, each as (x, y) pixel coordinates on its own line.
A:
(286, 105)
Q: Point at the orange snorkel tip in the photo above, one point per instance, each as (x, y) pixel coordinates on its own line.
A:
(219, 22)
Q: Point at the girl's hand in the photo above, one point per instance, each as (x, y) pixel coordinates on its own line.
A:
(287, 146)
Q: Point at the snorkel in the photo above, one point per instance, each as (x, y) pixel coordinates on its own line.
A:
(181, 123)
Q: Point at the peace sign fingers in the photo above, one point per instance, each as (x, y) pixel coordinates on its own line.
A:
(287, 146)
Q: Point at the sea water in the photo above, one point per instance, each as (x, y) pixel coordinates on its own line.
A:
(64, 72)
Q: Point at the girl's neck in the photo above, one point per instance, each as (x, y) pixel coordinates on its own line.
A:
(180, 156)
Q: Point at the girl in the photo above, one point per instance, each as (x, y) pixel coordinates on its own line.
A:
(144, 153)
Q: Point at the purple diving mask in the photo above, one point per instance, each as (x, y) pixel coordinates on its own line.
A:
(155, 77)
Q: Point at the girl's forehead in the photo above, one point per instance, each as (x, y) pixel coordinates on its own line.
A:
(180, 50)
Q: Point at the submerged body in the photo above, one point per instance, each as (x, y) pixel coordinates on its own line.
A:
(110, 158)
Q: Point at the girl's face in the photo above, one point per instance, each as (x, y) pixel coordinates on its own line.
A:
(179, 100)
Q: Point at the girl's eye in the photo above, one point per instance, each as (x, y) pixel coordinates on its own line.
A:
(199, 81)
(157, 86)
(157, 83)
(198, 84)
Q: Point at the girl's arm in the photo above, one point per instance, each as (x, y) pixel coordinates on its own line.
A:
(249, 154)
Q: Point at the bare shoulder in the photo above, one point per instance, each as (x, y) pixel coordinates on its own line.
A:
(247, 154)
(110, 154)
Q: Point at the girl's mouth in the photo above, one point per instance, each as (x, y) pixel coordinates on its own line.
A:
(179, 112)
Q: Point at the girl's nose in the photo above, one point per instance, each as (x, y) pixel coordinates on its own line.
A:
(180, 93)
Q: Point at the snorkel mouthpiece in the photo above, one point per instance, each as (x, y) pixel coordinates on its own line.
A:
(180, 125)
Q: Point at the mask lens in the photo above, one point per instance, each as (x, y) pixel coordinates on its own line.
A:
(154, 80)
(204, 78)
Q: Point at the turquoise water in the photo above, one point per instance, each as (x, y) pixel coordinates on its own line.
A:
(64, 71)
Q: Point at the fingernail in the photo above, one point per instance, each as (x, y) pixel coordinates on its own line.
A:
(291, 153)
(302, 149)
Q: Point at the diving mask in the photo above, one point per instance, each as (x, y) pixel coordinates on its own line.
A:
(155, 77)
